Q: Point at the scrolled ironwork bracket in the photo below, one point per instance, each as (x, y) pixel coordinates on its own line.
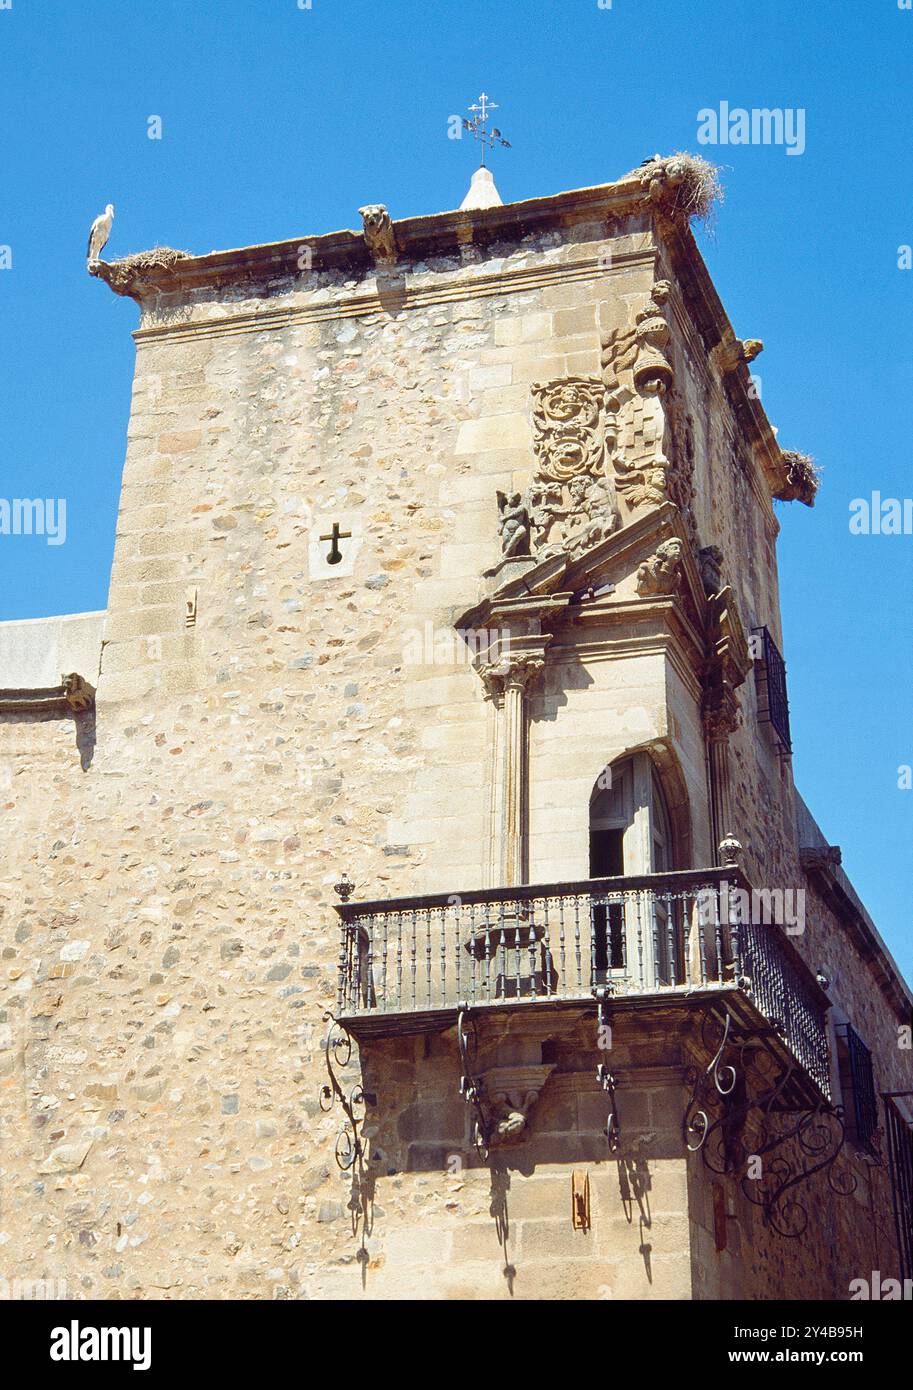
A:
(793, 1144)
(792, 1154)
(338, 1048)
(604, 1076)
(709, 1088)
(471, 1085)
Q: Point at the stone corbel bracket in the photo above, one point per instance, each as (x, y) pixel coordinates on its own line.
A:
(510, 1093)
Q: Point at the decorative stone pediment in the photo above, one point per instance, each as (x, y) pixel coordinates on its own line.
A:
(539, 593)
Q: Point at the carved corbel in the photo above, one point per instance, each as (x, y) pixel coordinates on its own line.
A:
(511, 1093)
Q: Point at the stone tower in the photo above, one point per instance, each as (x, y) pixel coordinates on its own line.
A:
(440, 712)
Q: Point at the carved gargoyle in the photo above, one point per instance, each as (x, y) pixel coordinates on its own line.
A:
(729, 355)
(140, 274)
(710, 558)
(661, 572)
(800, 480)
(379, 234)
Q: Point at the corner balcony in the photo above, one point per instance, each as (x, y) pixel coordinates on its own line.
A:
(659, 941)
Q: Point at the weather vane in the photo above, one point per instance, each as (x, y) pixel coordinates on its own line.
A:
(487, 138)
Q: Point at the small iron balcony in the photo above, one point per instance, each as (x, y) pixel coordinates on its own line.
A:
(408, 964)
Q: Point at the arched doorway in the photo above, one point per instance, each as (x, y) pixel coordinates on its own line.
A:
(631, 835)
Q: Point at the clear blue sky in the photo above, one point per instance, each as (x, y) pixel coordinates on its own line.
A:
(280, 121)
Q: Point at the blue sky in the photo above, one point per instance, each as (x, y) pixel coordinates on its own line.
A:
(279, 121)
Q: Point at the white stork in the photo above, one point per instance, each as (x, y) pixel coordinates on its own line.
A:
(101, 230)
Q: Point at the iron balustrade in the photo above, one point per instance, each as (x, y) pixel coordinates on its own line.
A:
(662, 935)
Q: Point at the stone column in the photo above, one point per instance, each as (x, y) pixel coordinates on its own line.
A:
(506, 684)
(720, 719)
(494, 692)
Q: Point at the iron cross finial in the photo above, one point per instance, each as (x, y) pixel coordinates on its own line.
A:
(481, 110)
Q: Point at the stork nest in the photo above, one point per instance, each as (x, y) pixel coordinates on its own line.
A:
(802, 478)
(688, 185)
(159, 258)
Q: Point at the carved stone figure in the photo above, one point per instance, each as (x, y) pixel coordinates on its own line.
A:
(652, 369)
(379, 234)
(640, 415)
(545, 508)
(514, 524)
(593, 513)
(710, 559)
(661, 573)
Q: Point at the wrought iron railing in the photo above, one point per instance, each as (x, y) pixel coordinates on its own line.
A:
(660, 934)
